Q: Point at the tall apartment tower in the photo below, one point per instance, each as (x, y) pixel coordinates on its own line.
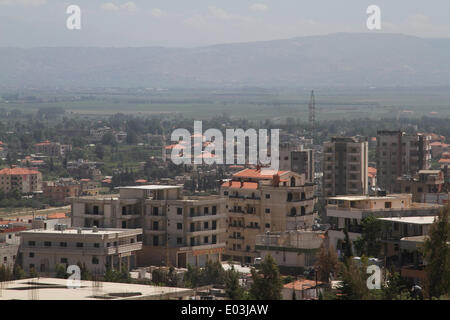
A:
(400, 154)
(296, 159)
(345, 166)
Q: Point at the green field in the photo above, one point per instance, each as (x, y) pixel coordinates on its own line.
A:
(251, 104)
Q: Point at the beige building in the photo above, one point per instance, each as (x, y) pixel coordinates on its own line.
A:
(296, 159)
(400, 154)
(262, 200)
(292, 249)
(345, 167)
(43, 249)
(23, 180)
(53, 149)
(348, 212)
(178, 230)
(421, 184)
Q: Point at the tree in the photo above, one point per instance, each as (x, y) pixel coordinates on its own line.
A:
(354, 282)
(19, 273)
(369, 244)
(395, 287)
(347, 244)
(60, 271)
(99, 151)
(267, 283)
(33, 273)
(5, 273)
(232, 288)
(437, 255)
(192, 276)
(326, 262)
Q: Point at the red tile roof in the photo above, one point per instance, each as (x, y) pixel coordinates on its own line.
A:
(46, 142)
(18, 171)
(239, 185)
(302, 284)
(258, 173)
(57, 215)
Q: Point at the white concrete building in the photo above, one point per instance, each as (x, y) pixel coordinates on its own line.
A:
(43, 249)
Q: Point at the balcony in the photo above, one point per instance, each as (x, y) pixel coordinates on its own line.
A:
(203, 232)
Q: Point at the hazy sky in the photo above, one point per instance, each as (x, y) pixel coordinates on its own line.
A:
(186, 23)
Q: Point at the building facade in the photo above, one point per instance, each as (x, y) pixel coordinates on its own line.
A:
(97, 249)
(23, 180)
(345, 166)
(177, 230)
(400, 154)
(261, 201)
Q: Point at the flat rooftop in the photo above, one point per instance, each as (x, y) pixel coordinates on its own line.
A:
(412, 220)
(363, 197)
(151, 187)
(56, 289)
(83, 231)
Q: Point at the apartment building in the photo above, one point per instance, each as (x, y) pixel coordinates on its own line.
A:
(21, 179)
(400, 154)
(53, 149)
(262, 200)
(348, 212)
(345, 166)
(177, 230)
(96, 248)
(60, 190)
(420, 185)
(296, 159)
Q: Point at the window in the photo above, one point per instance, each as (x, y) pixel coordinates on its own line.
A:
(205, 240)
(205, 210)
(179, 240)
(388, 204)
(205, 225)
(267, 196)
(214, 225)
(95, 210)
(155, 211)
(31, 255)
(5, 259)
(124, 224)
(47, 244)
(79, 244)
(156, 241)
(31, 243)
(179, 226)
(267, 225)
(225, 193)
(63, 244)
(214, 239)
(267, 210)
(179, 211)
(155, 225)
(96, 245)
(214, 210)
(94, 260)
(64, 260)
(31, 266)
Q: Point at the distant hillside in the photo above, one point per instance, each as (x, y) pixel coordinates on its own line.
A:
(343, 59)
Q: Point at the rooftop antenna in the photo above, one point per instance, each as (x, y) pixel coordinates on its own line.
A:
(312, 115)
